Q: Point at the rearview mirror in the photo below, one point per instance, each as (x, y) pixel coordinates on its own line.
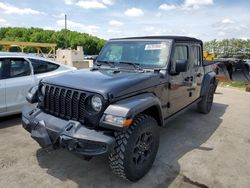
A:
(181, 66)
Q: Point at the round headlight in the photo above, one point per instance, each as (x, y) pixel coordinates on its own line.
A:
(96, 103)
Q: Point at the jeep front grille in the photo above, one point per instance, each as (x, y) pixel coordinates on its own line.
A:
(65, 103)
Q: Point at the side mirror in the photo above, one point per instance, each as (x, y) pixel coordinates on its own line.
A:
(94, 58)
(181, 66)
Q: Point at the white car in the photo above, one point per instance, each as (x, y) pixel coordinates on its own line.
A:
(18, 73)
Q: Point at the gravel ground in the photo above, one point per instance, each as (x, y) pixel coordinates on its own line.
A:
(195, 151)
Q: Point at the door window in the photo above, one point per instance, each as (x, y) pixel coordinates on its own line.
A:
(17, 68)
(1, 64)
(41, 66)
(180, 53)
(196, 56)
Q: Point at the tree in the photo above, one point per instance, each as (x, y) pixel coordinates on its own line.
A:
(229, 46)
(63, 38)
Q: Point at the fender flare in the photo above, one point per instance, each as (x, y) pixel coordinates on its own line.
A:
(206, 82)
(132, 106)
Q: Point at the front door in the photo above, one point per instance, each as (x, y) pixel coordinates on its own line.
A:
(19, 81)
(178, 83)
(2, 90)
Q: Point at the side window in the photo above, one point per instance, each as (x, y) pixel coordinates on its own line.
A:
(18, 68)
(180, 53)
(196, 56)
(41, 66)
(1, 64)
(51, 67)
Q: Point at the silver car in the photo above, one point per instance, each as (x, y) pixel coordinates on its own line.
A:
(18, 73)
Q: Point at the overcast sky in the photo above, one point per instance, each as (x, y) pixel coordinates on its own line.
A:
(204, 19)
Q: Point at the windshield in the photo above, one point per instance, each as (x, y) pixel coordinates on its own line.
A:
(145, 53)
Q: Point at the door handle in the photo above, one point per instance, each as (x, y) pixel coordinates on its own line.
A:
(191, 89)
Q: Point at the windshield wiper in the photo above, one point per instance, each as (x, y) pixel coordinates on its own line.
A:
(136, 65)
(110, 63)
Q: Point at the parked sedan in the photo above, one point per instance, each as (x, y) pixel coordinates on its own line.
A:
(18, 73)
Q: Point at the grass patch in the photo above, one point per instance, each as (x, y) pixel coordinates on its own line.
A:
(238, 84)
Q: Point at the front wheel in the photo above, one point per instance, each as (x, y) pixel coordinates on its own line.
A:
(205, 105)
(135, 149)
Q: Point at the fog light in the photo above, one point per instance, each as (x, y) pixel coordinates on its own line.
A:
(118, 121)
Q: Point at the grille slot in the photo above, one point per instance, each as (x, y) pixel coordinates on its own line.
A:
(64, 102)
(51, 99)
(81, 107)
(68, 102)
(75, 114)
(57, 99)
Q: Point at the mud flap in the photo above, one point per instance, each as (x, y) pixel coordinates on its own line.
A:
(40, 134)
(216, 84)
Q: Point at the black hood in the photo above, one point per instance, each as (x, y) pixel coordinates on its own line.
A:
(106, 81)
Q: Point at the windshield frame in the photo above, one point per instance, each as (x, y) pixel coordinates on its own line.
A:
(144, 66)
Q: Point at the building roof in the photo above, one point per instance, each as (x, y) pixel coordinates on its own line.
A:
(26, 44)
(176, 38)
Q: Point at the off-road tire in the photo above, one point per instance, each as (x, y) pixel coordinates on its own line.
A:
(129, 145)
(205, 105)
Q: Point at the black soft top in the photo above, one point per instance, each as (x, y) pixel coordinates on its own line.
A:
(175, 38)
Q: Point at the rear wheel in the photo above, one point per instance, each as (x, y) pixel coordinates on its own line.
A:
(205, 105)
(135, 149)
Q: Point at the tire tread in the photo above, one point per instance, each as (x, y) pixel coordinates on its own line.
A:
(117, 156)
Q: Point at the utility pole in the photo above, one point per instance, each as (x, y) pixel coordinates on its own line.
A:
(65, 18)
(65, 31)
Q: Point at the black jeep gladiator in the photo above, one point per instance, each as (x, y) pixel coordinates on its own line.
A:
(117, 107)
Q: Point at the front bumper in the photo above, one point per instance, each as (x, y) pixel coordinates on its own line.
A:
(49, 130)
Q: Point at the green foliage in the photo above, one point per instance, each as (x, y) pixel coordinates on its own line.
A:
(63, 38)
(229, 47)
(238, 84)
